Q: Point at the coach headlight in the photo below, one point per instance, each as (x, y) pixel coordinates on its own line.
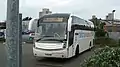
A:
(34, 45)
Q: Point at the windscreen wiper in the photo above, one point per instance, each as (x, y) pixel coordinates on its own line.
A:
(55, 40)
(48, 36)
(43, 37)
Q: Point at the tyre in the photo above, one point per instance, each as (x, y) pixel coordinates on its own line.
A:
(77, 51)
(90, 46)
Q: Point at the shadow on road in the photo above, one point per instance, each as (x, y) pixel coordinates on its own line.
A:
(58, 62)
(53, 62)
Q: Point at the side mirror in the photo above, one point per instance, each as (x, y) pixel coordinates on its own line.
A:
(65, 39)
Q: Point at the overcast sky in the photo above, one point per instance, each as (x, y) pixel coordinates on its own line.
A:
(83, 8)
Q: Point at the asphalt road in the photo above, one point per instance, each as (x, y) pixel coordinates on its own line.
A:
(30, 61)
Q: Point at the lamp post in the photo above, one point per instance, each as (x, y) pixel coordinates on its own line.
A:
(113, 20)
(113, 13)
(13, 35)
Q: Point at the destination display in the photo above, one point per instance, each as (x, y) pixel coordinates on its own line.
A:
(53, 19)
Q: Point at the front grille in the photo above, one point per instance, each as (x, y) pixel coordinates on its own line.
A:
(48, 49)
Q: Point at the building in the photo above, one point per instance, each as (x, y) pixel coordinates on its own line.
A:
(112, 27)
(25, 25)
(45, 11)
(110, 16)
(112, 24)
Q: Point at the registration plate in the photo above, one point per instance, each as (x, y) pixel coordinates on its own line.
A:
(48, 54)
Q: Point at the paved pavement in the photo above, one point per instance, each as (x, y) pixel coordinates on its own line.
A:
(29, 60)
(2, 56)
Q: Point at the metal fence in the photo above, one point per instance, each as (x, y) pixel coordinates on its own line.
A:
(114, 35)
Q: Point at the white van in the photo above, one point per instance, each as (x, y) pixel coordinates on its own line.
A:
(32, 28)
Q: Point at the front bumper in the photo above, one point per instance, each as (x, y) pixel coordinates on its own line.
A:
(50, 54)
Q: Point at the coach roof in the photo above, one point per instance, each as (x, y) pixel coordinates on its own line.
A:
(58, 15)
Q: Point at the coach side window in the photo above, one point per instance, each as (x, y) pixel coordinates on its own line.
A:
(73, 19)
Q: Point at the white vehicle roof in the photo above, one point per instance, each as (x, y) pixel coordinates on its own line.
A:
(91, 24)
(31, 23)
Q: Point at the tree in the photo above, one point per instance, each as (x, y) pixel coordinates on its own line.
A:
(102, 25)
(96, 22)
(99, 27)
(27, 18)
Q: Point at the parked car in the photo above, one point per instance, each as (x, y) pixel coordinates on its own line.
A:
(26, 36)
(1, 35)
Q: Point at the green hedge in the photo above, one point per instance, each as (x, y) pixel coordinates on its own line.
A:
(106, 57)
(104, 41)
(100, 33)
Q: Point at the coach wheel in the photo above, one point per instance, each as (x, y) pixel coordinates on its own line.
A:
(77, 51)
(90, 46)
